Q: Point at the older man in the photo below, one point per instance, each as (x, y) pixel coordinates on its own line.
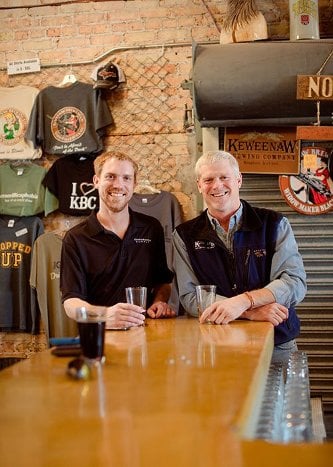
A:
(249, 253)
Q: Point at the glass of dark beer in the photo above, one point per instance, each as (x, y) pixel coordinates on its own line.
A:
(91, 327)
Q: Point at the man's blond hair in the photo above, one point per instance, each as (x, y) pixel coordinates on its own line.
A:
(102, 158)
(210, 157)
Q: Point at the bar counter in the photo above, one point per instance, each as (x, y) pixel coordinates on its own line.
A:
(171, 393)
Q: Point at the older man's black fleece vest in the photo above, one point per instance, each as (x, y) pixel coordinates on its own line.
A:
(247, 268)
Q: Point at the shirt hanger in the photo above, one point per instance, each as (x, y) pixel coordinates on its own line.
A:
(68, 79)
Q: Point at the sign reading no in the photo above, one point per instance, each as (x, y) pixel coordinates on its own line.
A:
(315, 87)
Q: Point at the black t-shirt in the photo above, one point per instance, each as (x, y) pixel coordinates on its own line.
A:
(96, 265)
(70, 179)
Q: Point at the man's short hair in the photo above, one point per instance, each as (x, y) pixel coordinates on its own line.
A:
(210, 157)
(102, 158)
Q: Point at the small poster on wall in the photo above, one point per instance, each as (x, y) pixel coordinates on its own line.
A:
(310, 192)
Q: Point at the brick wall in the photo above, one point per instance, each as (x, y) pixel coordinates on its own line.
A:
(133, 32)
(64, 32)
(151, 40)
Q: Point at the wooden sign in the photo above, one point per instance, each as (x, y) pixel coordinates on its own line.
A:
(315, 87)
(264, 150)
(315, 133)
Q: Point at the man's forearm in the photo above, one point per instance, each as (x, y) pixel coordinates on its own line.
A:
(71, 304)
(162, 293)
(257, 298)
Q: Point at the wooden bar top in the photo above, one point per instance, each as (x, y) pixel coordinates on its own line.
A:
(171, 393)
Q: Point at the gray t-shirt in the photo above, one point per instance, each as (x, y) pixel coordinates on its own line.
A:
(165, 207)
(19, 310)
(45, 278)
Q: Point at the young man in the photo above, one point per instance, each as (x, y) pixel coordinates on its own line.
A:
(115, 248)
(249, 253)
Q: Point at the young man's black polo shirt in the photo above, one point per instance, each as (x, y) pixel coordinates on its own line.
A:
(96, 265)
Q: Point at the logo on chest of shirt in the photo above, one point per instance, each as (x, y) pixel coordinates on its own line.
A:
(203, 245)
(81, 200)
(142, 240)
(259, 252)
(13, 124)
(12, 253)
(68, 124)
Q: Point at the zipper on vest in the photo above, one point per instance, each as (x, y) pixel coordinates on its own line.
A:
(247, 258)
(234, 287)
(246, 269)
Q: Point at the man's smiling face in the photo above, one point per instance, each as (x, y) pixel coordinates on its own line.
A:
(115, 184)
(219, 185)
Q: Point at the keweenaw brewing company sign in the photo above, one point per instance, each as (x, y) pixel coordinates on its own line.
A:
(310, 192)
(264, 150)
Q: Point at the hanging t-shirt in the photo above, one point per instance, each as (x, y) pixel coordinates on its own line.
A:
(69, 120)
(45, 278)
(19, 309)
(15, 108)
(22, 192)
(70, 179)
(165, 207)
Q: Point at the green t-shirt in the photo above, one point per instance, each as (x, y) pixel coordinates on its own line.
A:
(22, 192)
